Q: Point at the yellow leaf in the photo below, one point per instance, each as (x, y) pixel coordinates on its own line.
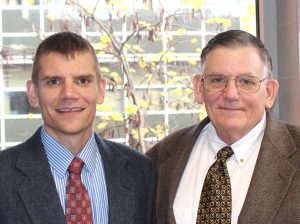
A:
(131, 109)
(101, 125)
(188, 91)
(143, 104)
(197, 4)
(198, 50)
(99, 46)
(105, 118)
(118, 80)
(181, 31)
(201, 116)
(154, 103)
(132, 70)
(137, 48)
(147, 6)
(101, 53)
(135, 133)
(251, 9)
(127, 46)
(192, 61)
(182, 57)
(154, 93)
(105, 39)
(202, 109)
(227, 22)
(124, 9)
(194, 40)
(115, 74)
(117, 117)
(142, 63)
(30, 115)
(172, 73)
(104, 107)
(180, 78)
(149, 76)
(169, 56)
(30, 2)
(50, 17)
(163, 93)
(104, 69)
(158, 126)
(177, 91)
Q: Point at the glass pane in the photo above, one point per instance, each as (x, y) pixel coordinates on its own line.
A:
(16, 75)
(178, 121)
(18, 130)
(17, 103)
(23, 20)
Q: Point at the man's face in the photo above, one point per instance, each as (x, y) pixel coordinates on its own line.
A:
(232, 113)
(67, 93)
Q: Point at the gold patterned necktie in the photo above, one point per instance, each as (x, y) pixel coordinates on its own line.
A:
(215, 201)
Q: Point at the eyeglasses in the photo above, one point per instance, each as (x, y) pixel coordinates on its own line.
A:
(244, 83)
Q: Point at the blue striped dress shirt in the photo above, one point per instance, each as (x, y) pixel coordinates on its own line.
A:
(92, 174)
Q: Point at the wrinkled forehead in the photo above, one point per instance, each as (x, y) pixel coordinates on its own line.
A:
(233, 58)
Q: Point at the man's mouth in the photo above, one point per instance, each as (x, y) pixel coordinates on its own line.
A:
(73, 109)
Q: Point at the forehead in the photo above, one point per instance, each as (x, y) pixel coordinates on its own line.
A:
(233, 60)
(57, 62)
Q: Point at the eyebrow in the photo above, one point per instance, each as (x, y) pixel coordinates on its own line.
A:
(240, 74)
(87, 75)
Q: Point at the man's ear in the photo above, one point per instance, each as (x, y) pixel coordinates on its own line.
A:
(101, 89)
(272, 88)
(32, 94)
(198, 88)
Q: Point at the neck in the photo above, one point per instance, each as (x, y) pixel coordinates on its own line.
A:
(73, 142)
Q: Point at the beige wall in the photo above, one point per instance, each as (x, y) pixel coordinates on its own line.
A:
(280, 27)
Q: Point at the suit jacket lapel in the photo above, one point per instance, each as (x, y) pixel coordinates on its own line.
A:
(177, 161)
(272, 175)
(119, 184)
(37, 190)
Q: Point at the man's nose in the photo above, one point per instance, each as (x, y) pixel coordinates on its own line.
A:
(231, 89)
(69, 90)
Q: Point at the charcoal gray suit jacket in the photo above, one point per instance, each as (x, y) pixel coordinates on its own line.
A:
(28, 193)
(274, 192)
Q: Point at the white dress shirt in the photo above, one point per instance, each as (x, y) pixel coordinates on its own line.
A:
(240, 168)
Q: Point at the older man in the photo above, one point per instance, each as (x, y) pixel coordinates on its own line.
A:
(240, 164)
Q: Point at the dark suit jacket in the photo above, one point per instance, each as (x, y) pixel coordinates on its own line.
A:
(274, 192)
(28, 193)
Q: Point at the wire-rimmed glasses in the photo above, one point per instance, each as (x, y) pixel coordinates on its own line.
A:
(244, 83)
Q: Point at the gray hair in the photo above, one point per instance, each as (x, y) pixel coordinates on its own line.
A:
(238, 38)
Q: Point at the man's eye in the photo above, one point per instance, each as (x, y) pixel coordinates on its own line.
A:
(217, 80)
(83, 81)
(247, 81)
(53, 81)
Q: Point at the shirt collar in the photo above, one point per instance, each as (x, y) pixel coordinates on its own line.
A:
(244, 147)
(60, 157)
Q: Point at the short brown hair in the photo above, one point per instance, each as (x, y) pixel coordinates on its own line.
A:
(66, 44)
(238, 38)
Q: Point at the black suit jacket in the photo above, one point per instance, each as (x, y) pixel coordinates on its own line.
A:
(28, 193)
(274, 192)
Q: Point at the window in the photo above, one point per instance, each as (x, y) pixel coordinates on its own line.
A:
(161, 43)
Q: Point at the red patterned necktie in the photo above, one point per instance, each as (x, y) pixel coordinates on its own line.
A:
(78, 204)
(215, 201)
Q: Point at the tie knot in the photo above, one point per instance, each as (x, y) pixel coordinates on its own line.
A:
(76, 165)
(224, 153)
